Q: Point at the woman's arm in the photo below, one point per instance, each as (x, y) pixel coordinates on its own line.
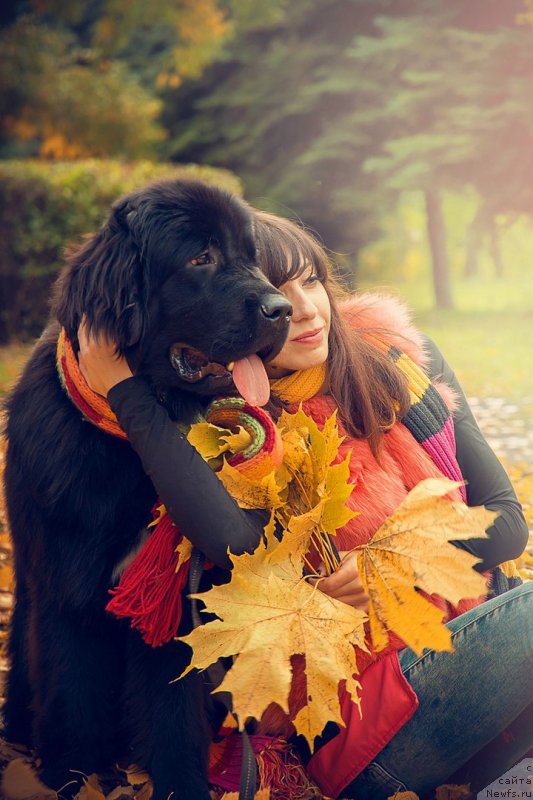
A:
(194, 497)
(487, 482)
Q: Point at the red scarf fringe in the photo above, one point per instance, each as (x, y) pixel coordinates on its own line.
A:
(149, 592)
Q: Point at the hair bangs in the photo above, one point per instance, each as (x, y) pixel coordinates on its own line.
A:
(285, 250)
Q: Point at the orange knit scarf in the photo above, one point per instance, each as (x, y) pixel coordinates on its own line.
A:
(150, 589)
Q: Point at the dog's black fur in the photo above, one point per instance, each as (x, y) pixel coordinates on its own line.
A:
(83, 688)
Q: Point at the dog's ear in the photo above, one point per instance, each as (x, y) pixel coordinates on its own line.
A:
(106, 281)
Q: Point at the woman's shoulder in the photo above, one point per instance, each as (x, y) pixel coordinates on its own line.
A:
(386, 316)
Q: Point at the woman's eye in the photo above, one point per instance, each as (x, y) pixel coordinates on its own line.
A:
(312, 278)
(203, 258)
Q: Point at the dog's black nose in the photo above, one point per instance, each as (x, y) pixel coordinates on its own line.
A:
(275, 306)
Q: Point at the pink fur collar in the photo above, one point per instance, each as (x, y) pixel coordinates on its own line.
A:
(379, 312)
(382, 313)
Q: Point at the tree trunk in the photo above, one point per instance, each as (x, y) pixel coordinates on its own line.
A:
(474, 235)
(439, 255)
(495, 250)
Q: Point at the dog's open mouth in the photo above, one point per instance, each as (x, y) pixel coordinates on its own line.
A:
(248, 374)
(192, 365)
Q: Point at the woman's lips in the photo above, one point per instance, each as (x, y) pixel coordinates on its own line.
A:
(312, 337)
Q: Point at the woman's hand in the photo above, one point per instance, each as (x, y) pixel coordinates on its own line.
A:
(345, 584)
(100, 364)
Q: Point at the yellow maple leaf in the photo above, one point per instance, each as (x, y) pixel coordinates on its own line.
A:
(293, 547)
(324, 518)
(295, 448)
(207, 439)
(250, 493)
(212, 441)
(323, 444)
(160, 513)
(237, 440)
(266, 615)
(19, 781)
(296, 458)
(184, 551)
(335, 490)
(413, 549)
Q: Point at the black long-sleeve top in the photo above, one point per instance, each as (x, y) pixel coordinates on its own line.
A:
(487, 482)
(212, 520)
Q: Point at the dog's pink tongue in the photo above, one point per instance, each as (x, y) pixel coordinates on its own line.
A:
(251, 380)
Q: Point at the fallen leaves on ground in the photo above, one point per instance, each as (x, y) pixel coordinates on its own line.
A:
(20, 782)
(522, 478)
(447, 791)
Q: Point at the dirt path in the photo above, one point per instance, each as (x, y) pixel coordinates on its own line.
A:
(508, 428)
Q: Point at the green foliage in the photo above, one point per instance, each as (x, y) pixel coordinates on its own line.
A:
(400, 255)
(81, 79)
(331, 111)
(490, 350)
(328, 109)
(270, 109)
(59, 101)
(46, 206)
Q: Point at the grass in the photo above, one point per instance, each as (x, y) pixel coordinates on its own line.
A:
(487, 338)
(12, 358)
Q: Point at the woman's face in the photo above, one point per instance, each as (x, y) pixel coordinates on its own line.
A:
(307, 342)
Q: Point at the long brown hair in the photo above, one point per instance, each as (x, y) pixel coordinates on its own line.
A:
(370, 391)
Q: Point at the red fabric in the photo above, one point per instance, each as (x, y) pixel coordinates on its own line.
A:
(387, 703)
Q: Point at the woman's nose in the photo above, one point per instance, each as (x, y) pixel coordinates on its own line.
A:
(302, 305)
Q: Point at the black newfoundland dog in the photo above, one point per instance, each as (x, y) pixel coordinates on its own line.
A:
(172, 278)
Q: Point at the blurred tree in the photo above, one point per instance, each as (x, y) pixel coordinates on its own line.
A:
(328, 108)
(55, 96)
(270, 108)
(459, 116)
(338, 106)
(81, 78)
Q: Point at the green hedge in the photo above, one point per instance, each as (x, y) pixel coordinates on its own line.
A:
(46, 205)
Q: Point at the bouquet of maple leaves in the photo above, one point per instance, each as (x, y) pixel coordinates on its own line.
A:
(269, 611)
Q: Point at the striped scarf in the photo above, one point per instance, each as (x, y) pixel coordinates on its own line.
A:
(150, 590)
(427, 418)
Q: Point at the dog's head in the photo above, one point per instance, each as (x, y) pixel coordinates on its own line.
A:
(172, 278)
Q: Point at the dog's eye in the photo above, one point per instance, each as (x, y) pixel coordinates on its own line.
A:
(203, 258)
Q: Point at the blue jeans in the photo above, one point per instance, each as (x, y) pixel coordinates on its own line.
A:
(466, 699)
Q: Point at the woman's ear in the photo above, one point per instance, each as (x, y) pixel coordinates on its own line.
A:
(106, 281)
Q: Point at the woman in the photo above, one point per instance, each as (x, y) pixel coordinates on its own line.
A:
(423, 717)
